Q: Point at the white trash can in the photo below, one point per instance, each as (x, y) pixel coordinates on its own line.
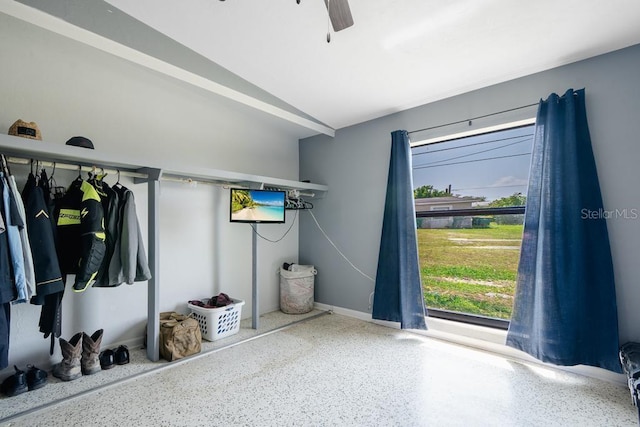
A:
(296, 289)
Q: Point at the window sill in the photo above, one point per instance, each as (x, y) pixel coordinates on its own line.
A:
(465, 333)
(493, 340)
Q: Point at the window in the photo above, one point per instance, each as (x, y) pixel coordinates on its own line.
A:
(470, 195)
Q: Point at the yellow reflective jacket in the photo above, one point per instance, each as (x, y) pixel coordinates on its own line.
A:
(80, 233)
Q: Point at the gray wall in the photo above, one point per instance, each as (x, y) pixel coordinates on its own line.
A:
(71, 89)
(355, 164)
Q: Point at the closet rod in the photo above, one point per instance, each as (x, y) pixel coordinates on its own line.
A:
(67, 166)
(96, 169)
(474, 118)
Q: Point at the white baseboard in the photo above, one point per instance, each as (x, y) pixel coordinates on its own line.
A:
(481, 338)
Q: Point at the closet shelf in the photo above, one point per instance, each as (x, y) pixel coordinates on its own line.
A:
(41, 150)
(14, 146)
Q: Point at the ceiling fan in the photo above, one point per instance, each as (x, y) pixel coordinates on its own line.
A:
(339, 15)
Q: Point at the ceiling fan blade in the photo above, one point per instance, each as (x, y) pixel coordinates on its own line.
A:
(340, 14)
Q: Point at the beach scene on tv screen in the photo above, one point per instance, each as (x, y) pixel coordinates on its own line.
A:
(251, 205)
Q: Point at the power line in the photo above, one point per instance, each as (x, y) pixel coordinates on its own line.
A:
(471, 145)
(473, 154)
(472, 161)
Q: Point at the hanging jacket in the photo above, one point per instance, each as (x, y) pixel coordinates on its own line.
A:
(27, 255)
(8, 291)
(40, 231)
(135, 266)
(51, 296)
(16, 257)
(129, 261)
(81, 236)
(110, 206)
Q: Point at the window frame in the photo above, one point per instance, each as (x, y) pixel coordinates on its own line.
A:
(467, 318)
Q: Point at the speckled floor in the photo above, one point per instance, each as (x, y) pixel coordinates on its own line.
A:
(337, 371)
(57, 390)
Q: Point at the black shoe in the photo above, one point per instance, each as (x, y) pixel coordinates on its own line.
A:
(122, 355)
(107, 360)
(15, 384)
(36, 378)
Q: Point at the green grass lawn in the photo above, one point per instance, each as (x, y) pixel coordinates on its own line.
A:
(470, 270)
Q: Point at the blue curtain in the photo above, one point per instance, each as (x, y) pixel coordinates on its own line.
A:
(398, 291)
(565, 309)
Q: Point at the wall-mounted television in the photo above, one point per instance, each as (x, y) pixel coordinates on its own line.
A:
(257, 206)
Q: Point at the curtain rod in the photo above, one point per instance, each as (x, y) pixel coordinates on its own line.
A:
(474, 118)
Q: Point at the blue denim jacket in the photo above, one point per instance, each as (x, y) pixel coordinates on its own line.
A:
(12, 222)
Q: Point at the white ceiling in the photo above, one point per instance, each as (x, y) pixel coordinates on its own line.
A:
(399, 53)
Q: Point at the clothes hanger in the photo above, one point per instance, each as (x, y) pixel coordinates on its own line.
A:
(5, 165)
(58, 191)
(98, 182)
(33, 173)
(117, 184)
(36, 174)
(53, 171)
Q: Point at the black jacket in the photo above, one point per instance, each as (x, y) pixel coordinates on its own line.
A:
(41, 238)
(81, 235)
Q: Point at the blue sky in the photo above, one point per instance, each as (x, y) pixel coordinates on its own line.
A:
(272, 198)
(494, 165)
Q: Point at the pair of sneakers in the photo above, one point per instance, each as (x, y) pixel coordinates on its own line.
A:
(110, 358)
(22, 381)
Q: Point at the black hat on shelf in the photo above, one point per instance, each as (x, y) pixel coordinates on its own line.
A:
(80, 141)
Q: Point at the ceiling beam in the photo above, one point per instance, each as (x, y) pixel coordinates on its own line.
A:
(63, 28)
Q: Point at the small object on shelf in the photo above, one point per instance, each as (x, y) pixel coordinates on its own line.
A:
(25, 130)
(217, 323)
(80, 141)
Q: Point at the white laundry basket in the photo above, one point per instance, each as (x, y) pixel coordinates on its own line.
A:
(219, 322)
(296, 289)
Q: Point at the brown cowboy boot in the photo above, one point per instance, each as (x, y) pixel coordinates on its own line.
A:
(90, 362)
(69, 368)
